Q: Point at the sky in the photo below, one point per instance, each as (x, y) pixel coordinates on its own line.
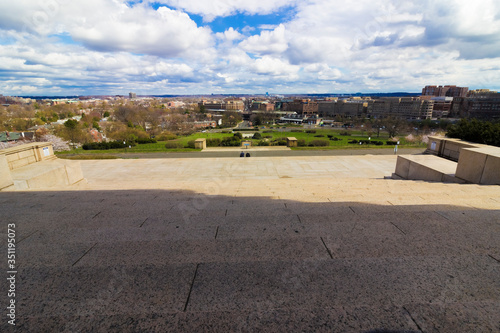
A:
(185, 47)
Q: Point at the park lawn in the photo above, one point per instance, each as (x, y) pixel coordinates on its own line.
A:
(273, 134)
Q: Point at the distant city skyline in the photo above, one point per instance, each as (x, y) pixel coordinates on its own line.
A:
(198, 47)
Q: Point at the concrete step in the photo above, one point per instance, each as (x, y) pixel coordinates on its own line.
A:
(427, 167)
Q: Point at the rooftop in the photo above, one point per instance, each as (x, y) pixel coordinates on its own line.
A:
(320, 244)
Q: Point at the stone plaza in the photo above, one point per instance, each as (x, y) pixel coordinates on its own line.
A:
(260, 244)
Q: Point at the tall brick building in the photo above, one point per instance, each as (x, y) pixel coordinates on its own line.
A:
(305, 107)
(484, 105)
(445, 91)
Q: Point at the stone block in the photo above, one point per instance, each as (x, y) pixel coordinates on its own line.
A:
(426, 167)
(291, 142)
(44, 151)
(73, 172)
(402, 167)
(435, 145)
(5, 177)
(491, 173)
(246, 144)
(12, 157)
(26, 154)
(422, 172)
(200, 143)
(471, 165)
(18, 163)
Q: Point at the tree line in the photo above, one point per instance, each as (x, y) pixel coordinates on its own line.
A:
(477, 131)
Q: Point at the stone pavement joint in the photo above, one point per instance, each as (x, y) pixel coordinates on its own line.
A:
(227, 244)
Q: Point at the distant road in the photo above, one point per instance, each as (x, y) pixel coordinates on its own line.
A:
(280, 153)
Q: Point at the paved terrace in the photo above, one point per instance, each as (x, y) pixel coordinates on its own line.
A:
(313, 244)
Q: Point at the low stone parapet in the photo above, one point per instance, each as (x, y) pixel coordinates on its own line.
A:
(34, 165)
(426, 167)
(448, 148)
(480, 165)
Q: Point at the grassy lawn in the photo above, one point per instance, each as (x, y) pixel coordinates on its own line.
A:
(271, 134)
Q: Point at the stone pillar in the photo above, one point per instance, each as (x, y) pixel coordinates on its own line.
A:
(200, 143)
(291, 142)
(44, 151)
(246, 144)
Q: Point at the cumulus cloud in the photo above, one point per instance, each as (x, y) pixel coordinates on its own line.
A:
(216, 8)
(321, 45)
(268, 42)
(114, 26)
(273, 66)
(229, 35)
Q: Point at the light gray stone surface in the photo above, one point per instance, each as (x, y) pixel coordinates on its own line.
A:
(325, 254)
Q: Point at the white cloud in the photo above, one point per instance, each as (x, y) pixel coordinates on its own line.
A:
(268, 42)
(351, 45)
(216, 8)
(229, 35)
(106, 25)
(273, 66)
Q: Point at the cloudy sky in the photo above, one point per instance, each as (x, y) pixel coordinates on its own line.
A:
(80, 47)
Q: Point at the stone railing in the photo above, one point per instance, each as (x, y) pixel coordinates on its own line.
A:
(448, 148)
(34, 165)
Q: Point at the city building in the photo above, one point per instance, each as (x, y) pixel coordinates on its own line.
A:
(445, 91)
(402, 107)
(132, 95)
(262, 106)
(483, 105)
(442, 107)
(219, 106)
(305, 107)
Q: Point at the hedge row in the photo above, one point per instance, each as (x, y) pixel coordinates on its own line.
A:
(107, 145)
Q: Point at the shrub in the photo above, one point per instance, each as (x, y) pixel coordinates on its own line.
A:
(319, 136)
(378, 143)
(173, 145)
(267, 131)
(335, 139)
(296, 130)
(267, 136)
(238, 135)
(190, 144)
(264, 143)
(106, 145)
(257, 136)
(319, 143)
(391, 143)
(280, 143)
(166, 136)
(213, 142)
(301, 142)
(311, 131)
(232, 141)
(330, 136)
(353, 141)
(142, 141)
(344, 133)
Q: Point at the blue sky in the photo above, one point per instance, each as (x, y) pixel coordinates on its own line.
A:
(76, 47)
